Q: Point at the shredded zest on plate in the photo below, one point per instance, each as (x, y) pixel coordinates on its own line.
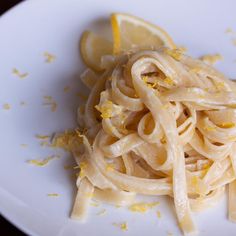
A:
(43, 162)
(211, 59)
(49, 58)
(142, 207)
(6, 106)
(53, 195)
(159, 214)
(49, 101)
(123, 226)
(19, 74)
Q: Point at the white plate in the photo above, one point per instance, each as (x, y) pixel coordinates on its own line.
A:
(32, 28)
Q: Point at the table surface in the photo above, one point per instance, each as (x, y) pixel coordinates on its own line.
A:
(5, 226)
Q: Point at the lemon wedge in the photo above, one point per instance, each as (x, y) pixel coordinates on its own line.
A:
(92, 48)
(130, 32)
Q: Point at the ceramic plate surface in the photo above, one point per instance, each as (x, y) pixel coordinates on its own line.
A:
(35, 27)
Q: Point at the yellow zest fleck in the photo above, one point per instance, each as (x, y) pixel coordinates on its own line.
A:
(159, 214)
(211, 59)
(50, 102)
(94, 204)
(53, 195)
(142, 207)
(163, 140)
(145, 79)
(105, 109)
(83, 165)
(45, 144)
(24, 145)
(38, 136)
(47, 97)
(66, 89)
(194, 180)
(49, 58)
(66, 140)
(109, 167)
(208, 128)
(182, 49)
(227, 125)
(20, 75)
(6, 106)
(166, 106)
(220, 85)
(82, 96)
(123, 226)
(135, 95)
(41, 163)
(174, 53)
(206, 166)
(169, 81)
(150, 85)
(228, 30)
(117, 206)
(169, 234)
(102, 212)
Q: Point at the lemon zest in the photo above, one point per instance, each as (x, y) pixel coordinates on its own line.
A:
(208, 128)
(142, 207)
(159, 214)
(19, 74)
(53, 195)
(227, 125)
(66, 140)
(105, 109)
(6, 106)
(49, 58)
(229, 30)
(169, 81)
(41, 163)
(109, 167)
(42, 136)
(174, 53)
(211, 59)
(49, 101)
(123, 226)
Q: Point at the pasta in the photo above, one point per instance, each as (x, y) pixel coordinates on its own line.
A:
(157, 122)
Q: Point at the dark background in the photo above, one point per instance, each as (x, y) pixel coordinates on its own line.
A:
(7, 228)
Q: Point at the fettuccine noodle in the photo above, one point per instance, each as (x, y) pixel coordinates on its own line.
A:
(158, 123)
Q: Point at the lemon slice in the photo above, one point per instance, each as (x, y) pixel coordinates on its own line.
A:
(92, 48)
(130, 32)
